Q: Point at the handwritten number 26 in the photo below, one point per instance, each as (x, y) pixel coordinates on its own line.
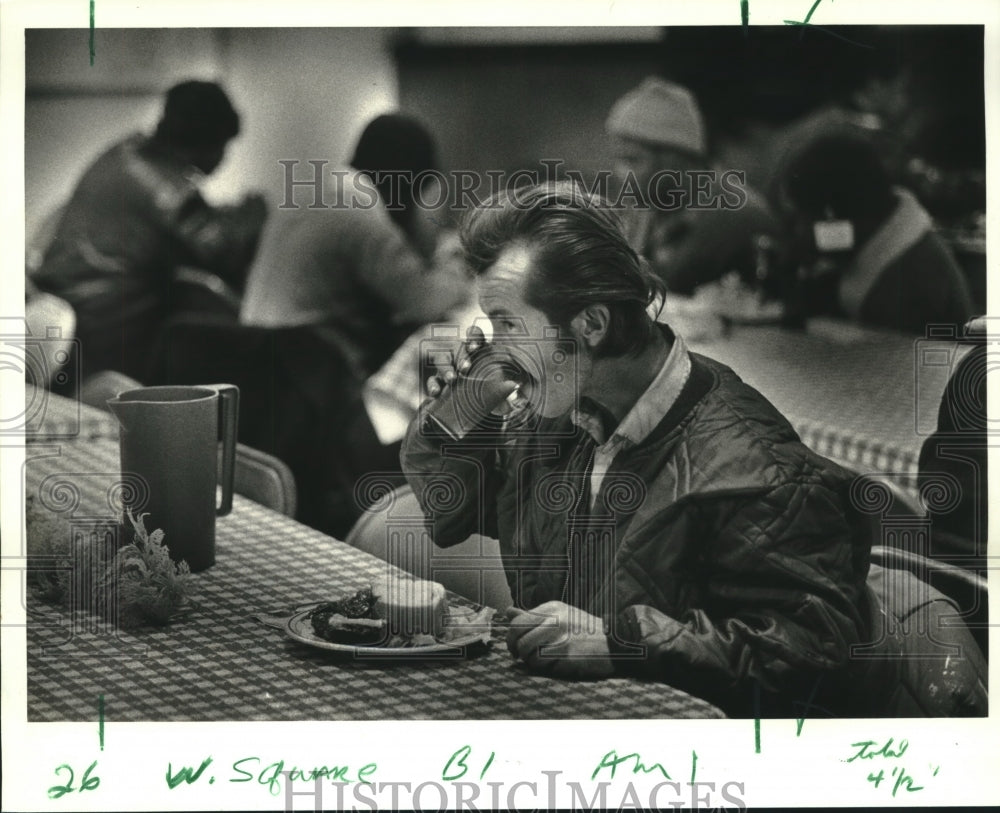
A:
(88, 783)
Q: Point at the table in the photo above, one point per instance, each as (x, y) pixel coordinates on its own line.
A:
(218, 664)
(864, 398)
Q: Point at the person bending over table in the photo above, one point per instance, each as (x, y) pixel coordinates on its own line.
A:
(136, 217)
(357, 257)
(656, 515)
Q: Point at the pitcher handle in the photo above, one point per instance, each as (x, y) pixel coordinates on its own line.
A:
(229, 416)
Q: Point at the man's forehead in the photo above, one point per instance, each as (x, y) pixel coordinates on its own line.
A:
(513, 261)
(504, 280)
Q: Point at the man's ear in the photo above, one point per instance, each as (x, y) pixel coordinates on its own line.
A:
(591, 324)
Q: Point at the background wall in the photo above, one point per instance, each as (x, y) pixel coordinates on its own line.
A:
(506, 107)
(302, 93)
(306, 94)
(504, 98)
(72, 111)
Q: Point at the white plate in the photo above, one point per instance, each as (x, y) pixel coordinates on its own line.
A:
(299, 628)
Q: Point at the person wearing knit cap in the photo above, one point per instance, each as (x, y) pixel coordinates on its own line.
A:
(689, 237)
(660, 113)
(361, 266)
(137, 216)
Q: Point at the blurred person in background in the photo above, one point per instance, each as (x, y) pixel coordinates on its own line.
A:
(50, 318)
(360, 264)
(958, 450)
(861, 248)
(136, 217)
(689, 223)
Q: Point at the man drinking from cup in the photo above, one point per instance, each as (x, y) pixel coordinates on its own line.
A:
(656, 516)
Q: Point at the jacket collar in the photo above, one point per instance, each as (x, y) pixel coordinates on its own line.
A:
(652, 406)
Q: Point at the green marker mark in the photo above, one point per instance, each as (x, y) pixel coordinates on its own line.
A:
(93, 3)
(756, 718)
(808, 16)
(185, 774)
(487, 765)
(100, 714)
(804, 24)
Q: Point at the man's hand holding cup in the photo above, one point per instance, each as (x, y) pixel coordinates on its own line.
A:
(470, 386)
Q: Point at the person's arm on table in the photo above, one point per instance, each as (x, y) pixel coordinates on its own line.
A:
(781, 609)
(576, 644)
(783, 604)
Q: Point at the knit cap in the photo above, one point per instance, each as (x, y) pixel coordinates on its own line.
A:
(659, 113)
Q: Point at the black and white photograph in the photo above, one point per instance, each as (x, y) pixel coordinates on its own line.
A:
(579, 406)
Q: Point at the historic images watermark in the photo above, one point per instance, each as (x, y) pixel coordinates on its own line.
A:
(42, 358)
(460, 190)
(522, 795)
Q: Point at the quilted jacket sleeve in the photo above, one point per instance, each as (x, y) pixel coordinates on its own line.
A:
(455, 483)
(782, 587)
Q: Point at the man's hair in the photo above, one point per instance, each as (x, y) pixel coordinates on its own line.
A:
(197, 114)
(580, 257)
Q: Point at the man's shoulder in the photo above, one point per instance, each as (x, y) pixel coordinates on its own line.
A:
(736, 438)
(353, 191)
(166, 182)
(113, 161)
(338, 218)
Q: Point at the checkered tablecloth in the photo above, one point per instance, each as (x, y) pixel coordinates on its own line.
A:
(219, 664)
(865, 398)
(52, 417)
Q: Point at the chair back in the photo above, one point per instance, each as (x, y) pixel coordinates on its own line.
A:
(911, 539)
(393, 528)
(967, 590)
(299, 401)
(264, 479)
(937, 668)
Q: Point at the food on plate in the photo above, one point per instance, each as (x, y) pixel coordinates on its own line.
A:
(399, 611)
(411, 606)
(350, 620)
(395, 610)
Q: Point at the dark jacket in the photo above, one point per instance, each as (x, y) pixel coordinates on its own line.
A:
(903, 276)
(731, 552)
